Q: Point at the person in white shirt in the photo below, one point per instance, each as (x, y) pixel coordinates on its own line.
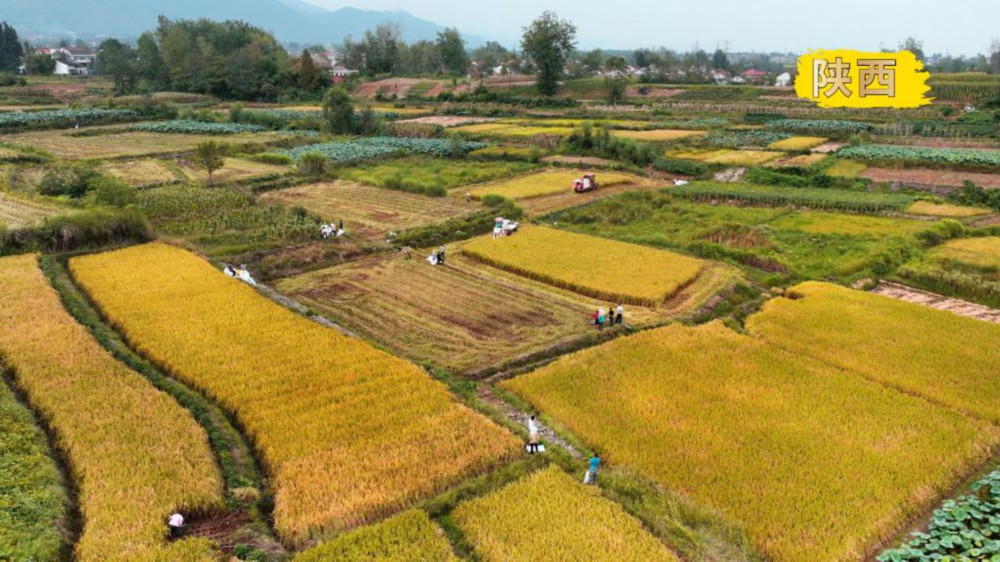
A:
(532, 436)
(620, 311)
(176, 524)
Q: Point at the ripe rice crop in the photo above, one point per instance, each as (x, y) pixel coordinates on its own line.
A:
(948, 359)
(797, 143)
(33, 501)
(548, 517)
(349, 434)
(591, 266)
(800, 161)
(135, 454)
(983, 252)
(845, 169)
(187, 127)
(742, 157)
(814, 463)
(376, 147)
(411, 535)
(946, 210)
(62, 145)
(657, 135)
(921, 154)
(547, 183)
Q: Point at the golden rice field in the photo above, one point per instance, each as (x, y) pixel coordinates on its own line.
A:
(16, 212)
(657, 135)
(135, 454)
(409, 536)
(842, 168)
(348, 433)
(727, 156)
(946, 210)
(821, 222)
(978, 252)
(496, 129)
(802, 160)
(797, 143)
(547, 183)
(140, 173)
(946, 358)
(813, 462)
(592, 266)
(235, 169)
(549, 517)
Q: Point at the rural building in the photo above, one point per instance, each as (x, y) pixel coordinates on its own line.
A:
(755, 76)
(783, 80)
(340, 74)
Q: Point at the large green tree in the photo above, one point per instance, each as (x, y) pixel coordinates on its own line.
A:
(616, 80)
(549, 41)
(11, 49)
(153, 73)
(307, 76)
(913, 45)
(118, 61)
(39, 64)
(451, 50)
(382, 49)
(338, 111)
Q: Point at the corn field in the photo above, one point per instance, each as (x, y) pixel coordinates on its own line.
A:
(350, 434)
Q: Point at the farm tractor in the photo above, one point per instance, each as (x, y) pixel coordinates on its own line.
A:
(587, 183)
(503, 227)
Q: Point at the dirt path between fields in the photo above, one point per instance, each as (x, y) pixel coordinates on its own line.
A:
(486, 395)
(302, 309)
(940, 302)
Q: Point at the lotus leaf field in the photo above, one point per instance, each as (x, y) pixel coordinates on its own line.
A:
(320, 404)
(377, 147)
(595, 267)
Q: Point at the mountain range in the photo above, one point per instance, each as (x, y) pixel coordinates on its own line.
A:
(289, 20)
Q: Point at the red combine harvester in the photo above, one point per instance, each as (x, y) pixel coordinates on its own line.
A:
(587, 183)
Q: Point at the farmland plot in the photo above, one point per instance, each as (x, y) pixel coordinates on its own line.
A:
(62, 145)
(926, 176)
(983, 253)
(140, 173)
(815, 463)
(411, 535)
(314, 402)
(549, 182)
(15, 212)
(549, 517)
(136, 455)
(657, 135)
(946, 210)
(592, 266)
(455, 316)
(235, 169)
(943, 357)
(369, 212)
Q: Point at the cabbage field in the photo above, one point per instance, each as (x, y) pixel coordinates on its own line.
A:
(375, 147)
(64, 117)
(922, 154)
(187, 127)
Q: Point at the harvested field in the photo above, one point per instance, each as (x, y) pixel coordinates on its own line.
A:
(815, 463)
(549, 182)
(940, 302)
(929, 177)
(797, 143)
(456, 316)
(235, 169)
(140, 173)
(828, 147)
(15, 212)
(727, 156)
(388, 87)
(657, 135)
(946, 210)
(565, 521)
(845, 169)
(634, 274)
(62, 145)
(802, 160)
(369, 212)
(898, 344)
(567, 198)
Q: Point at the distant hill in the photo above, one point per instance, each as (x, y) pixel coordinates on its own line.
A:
(289, 20)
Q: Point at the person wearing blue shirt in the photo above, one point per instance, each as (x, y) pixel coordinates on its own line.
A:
(595, 463)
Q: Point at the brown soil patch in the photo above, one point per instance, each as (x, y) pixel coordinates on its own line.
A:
(449, 120)
(637, 92)
(828, 147)
(929, 177)
(398, 86)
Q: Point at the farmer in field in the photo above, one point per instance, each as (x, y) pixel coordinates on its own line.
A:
(611, 315)
(176, 525)
(441, 255)
(601, 317)
(621, 314)
(595, 463)
(468, 197)
(532, 436)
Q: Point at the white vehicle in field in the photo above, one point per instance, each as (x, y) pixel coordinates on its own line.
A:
(503, 227)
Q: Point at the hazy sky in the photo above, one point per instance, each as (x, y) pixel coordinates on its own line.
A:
(956, 26)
